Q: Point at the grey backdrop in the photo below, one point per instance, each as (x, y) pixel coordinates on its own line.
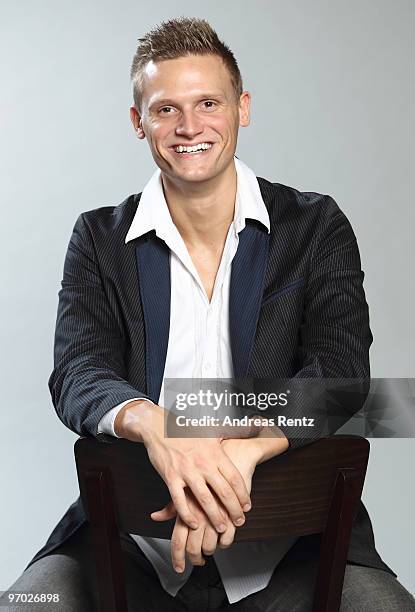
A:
(333, 99)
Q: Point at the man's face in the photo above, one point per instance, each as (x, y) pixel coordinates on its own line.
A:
(185, 102)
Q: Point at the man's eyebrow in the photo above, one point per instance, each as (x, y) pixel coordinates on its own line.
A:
(201, 96)
(161, 102)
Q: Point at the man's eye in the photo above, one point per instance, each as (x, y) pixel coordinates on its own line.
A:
(168, 108)
(209, 104)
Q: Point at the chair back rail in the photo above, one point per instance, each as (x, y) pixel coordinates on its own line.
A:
(291, 494)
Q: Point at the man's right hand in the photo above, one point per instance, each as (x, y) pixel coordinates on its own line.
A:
(193, 542)
(197, 463)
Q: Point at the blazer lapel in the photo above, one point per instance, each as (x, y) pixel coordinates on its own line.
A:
(246, 290)
(153, 262)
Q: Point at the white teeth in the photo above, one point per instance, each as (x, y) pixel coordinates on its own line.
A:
(199, 147)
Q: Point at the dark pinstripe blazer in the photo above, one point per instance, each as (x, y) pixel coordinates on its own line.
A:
(297, 308)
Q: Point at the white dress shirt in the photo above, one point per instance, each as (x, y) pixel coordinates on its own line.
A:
(199, 347)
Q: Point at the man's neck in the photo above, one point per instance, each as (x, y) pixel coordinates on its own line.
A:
(203, 212)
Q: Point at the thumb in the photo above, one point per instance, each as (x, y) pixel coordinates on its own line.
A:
(166, 513)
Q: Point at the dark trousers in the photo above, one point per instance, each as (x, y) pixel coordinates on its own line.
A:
(69, 571)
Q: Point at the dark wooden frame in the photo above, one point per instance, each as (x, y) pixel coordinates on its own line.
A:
(315, 489)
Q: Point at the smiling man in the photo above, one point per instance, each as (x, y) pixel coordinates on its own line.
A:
(209, 272)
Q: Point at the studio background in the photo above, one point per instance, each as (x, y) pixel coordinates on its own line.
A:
(333, 97)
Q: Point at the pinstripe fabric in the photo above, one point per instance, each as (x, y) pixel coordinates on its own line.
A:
(314, 320)
(302, 284)
(245, 294)
(99, 360)
(154, 279)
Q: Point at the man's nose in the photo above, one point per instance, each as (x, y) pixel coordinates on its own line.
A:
(189, 125)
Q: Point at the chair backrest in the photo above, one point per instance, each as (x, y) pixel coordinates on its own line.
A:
(291, 494)
(315, 489)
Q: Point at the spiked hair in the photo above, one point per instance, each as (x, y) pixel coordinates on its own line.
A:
(178, 38)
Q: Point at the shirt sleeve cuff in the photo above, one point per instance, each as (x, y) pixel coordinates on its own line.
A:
(106, 424)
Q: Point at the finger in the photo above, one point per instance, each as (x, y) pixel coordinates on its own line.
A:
(179, 500)
(229, 432)
(208, 504)
(226, 538)
(165, 514)
(236, 481)
(210, 540)
(194, 546)
(227, 496)
(178, 545)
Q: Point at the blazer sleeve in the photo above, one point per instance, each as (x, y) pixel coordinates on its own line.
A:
(89, 375)
(334, 376)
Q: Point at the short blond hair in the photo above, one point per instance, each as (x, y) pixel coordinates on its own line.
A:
(178, 38)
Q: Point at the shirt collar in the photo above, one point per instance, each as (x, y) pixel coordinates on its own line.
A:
(153, 213)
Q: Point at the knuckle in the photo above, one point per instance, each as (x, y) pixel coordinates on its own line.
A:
(198, 484)
(171, 476)
(169, 473)
(197, 562)
(234, 481)
(192, 550)
(227, 539)
(176, 545)
(194, 555)
(200, 462)
(226, 493)
(186, 466)
(175, 495)
(205, 497)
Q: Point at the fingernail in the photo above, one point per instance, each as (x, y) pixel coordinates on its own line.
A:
(240, 521)
(221, 527)
(246, 508)
(178, 568)
(194, 525)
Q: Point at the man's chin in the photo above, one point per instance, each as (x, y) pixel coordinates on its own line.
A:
(190, 175)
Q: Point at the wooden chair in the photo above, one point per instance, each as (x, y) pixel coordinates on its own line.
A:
(314, 489)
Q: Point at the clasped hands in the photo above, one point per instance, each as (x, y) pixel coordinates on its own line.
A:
(209, 479)
(209, 497)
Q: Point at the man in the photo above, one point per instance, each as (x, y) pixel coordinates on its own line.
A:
(209, 272)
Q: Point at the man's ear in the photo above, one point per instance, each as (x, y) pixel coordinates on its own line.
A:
(244, 108)
(136, 121)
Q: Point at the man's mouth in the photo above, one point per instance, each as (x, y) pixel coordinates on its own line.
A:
(188, 150)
